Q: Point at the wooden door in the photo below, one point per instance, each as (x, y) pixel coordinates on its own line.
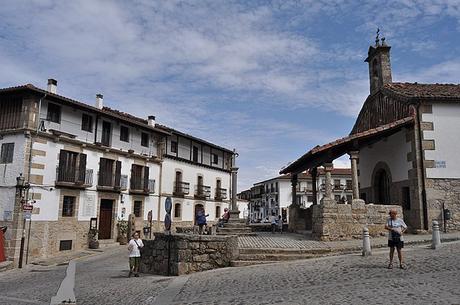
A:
(105, 219)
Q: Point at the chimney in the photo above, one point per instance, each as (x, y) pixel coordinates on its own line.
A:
(52, 85)
(99, 101)
(151, 120)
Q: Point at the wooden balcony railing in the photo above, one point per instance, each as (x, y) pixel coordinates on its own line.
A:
(181, 188)
(74, 177)
(221, 194)
(202, 191)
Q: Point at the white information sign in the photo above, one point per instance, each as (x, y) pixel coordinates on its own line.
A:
(89, 206)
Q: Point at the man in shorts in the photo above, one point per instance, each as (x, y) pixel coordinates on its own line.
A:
(396, 227)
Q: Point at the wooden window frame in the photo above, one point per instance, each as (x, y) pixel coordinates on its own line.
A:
(65, 210)
(174, 146)
(87, 125)
(140, 213)
(124, 133)
(51, 116)
(145, 137)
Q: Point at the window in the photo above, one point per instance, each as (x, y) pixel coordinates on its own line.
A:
(177, 210)
(145, 139)
(195, 154)
(349, 185)
(215, 159)
(139, 178)
(124, 134)
(72, 167)
(337, 198)
(68, 206)
(337, 183)
(6, 155)
(349, 198)
(310, 198)
(174, 146)
(106, 133)
(86, 122)
(54, 113)
(138, 208)
(217, 211)
(65, 245)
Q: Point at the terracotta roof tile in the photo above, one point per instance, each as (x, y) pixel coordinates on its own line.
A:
(416, 90)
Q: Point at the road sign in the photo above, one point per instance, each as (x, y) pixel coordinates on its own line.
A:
(28, 215)
(27, 207)
(149, 216)
(168, 205)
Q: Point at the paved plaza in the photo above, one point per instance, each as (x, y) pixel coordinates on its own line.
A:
(432, 278)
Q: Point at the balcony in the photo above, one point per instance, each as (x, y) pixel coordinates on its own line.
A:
(202, 191)
(141, 186)
(181, 188)
(109, 182)
(72, 177)
(220, 194)
(304, 189)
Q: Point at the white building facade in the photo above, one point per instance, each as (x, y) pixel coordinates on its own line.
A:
(274, 196)
(84, 163)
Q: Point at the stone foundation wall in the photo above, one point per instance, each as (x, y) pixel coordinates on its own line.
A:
(346, 221)
(188, 253)
(299, 219)
(447, 192)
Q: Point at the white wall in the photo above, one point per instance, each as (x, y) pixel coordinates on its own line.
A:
(393, 151)
(9, 172)
(49, 203)
(446, 122)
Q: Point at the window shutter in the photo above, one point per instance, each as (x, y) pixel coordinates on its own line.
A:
(82, 168)
(62, 165)
(102, 167)
(146, 179)
(117, 173)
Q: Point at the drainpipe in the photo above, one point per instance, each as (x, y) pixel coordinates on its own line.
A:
(420, 164)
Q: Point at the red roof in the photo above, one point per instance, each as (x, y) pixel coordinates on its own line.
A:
(425, 91)
(330, 151)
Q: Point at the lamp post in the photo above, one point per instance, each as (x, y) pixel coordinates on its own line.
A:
(21, 187)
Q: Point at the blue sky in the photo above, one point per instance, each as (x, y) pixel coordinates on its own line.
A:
(269, 78)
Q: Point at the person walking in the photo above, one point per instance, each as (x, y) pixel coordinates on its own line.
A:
(280, 224)
(201, 220)
(224, 219)
(273, 222)
(134, 247)
(396, 228)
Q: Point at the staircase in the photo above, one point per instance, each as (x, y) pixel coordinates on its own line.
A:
(235, 227)
(256, 256)
(107, 243)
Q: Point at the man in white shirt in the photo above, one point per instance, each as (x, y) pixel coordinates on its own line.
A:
(134, 246)
(396, 227)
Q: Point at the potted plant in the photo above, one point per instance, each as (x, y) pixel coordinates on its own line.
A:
(122, 231)
(93, 243)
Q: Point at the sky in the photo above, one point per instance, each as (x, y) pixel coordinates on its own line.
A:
(271, 79)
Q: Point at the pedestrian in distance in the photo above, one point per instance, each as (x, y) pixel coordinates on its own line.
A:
(201, 221)
(396, 228)
(280, 224)
(273, 222)
(134, 247)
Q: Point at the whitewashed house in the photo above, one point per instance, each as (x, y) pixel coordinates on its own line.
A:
(81, 162)
(275, 195)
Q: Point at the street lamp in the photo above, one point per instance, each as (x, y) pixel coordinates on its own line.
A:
(21, 187)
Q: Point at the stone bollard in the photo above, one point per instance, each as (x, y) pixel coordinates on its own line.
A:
(366, 242)
(436, 240)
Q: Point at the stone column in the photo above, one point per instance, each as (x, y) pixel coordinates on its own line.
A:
(327, 198)
(354, 173)
(294, 189)
(234, 212)
(328, 167)
(314, 174)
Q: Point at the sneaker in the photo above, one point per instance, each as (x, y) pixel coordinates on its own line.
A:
(390, 266)
(403, 266)
(136, 275)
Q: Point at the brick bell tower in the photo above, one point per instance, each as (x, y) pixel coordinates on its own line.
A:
(378, 58)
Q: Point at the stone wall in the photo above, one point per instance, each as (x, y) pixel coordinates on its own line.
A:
(299, 218)
(447, 192)
(187, 253)
(345, 221)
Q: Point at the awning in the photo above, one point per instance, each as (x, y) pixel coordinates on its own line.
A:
(333, 150)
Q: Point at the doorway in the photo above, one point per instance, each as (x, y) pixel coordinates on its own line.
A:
(382, 187)
(198, 207)
(106, 131)
(105, 219)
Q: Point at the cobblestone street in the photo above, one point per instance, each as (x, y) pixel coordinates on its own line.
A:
(432, 278)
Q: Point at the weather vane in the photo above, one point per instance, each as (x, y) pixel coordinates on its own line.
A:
(377, 37)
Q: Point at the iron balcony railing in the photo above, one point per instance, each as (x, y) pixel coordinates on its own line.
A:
(181, 188)
(74, 176)
(202, 191)
(221, 193)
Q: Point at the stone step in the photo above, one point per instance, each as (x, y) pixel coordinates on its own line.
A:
(239, 234)
(241, 263)
(108, 243)
(283, 251)
(6, 265)
(274, 257)
(233, 230)
(235, 225)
